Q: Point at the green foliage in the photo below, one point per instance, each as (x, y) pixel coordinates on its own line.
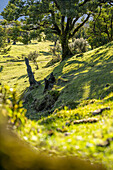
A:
(100, 28)
(58, 17)
(25, 39)
(13, 10)
(10, 101)
(14, 31)
(3, 41)
(97, 41)
(49, 14)
(33, 57)
(33, 35)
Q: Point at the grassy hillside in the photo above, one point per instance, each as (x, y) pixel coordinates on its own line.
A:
(14, 69)
(85, 84)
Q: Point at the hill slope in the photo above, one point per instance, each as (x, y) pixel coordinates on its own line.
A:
(84, 83)
(82, 77)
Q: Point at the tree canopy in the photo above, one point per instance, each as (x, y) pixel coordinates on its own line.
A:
(62, 17)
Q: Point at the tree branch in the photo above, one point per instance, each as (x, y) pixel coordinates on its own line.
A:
(69, 20)
(111, 26)
(62, 23)
(106, 28)
(54, 23)
(79, 26)
(73, 24)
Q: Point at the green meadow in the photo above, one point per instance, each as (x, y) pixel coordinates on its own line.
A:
(73, 125)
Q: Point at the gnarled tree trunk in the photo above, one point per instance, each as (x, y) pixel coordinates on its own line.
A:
(66, 52)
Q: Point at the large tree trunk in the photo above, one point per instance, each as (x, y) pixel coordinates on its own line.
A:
(66, 52)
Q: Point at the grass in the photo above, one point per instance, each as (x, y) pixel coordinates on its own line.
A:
(14, 69)
(85, 84)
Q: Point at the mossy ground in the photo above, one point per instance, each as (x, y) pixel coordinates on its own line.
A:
(84, 80)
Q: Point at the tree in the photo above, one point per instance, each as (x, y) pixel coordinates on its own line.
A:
(59, 15)
(3, 40)
(14, 31)
(14, 10)
(101, 27)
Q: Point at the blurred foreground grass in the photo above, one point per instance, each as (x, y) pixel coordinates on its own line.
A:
(16, 154)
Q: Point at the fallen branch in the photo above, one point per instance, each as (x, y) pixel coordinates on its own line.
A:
(99, 111)
(89, 120)
(105, 143)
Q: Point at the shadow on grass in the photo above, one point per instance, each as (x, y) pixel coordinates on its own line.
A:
(89, 80)
(45, 53)
(23, 76)
(1, 69)
(84, 82)
(12, 60)
(19, 44)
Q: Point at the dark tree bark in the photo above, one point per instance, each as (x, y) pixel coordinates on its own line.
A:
(14, 43)
(52, 78)
(32, 80)
(66, 52)
(46, 85)
(49, 83)
(8, 40)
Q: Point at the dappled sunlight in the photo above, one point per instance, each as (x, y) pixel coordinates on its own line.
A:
(86, 89)
(71, 126)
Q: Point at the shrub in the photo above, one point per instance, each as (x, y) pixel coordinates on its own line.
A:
(78, 45)
(71, 46)
(33, 57)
